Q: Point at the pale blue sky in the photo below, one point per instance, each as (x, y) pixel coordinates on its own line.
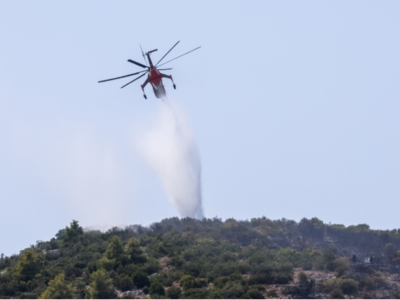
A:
(294, 105)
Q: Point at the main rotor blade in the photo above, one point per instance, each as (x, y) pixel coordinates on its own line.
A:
(136, 63)
(179, 56)
(133, 80)
(164, 69)
(144, 57)
(121, 76)
(167, 53)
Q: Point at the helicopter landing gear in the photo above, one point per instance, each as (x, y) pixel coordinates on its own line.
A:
(144, 95)
(174, 86)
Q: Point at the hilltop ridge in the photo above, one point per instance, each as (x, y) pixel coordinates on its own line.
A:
(209, 258)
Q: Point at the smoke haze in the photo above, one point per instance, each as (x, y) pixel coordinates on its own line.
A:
(169, 148)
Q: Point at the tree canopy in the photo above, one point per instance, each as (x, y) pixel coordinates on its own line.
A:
(209, 258)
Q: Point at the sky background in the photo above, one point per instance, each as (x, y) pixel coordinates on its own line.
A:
(294, 106)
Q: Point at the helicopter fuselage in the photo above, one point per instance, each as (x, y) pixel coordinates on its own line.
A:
(155, 78)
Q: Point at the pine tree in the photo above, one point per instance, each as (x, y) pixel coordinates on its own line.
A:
(58, 289)
(101, 286)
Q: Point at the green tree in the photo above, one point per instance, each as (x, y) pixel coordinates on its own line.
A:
(115, 249)
(233, 290)
(134, 252)
(72, 233)
(123, 282)
(341, 266)
(146, 290)
(156, 289)
(107, 264)
(285, 255)
(101, 286)
(302, 278)
(196, 293)
(29, 264)
(174, 292)
(58, 289)
(187, 282)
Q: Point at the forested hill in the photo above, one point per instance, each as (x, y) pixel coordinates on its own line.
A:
(188, 258)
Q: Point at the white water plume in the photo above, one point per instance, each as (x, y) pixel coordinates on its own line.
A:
(170, 149)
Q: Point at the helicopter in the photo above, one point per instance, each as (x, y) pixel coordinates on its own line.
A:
(154, 75)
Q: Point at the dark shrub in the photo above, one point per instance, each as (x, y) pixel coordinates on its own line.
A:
(280, 278)
(174, 292)
(187, 282)
(349, 286)
(255, 294)
(261, 279)
(302, 278)
(140, 280)
(220, 282)
(233, 290)
(195, 294)
(272, 294)
(124, 283)
(156, 289)
(337, 294)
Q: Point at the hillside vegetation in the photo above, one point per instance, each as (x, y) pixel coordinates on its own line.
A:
(188, 258)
